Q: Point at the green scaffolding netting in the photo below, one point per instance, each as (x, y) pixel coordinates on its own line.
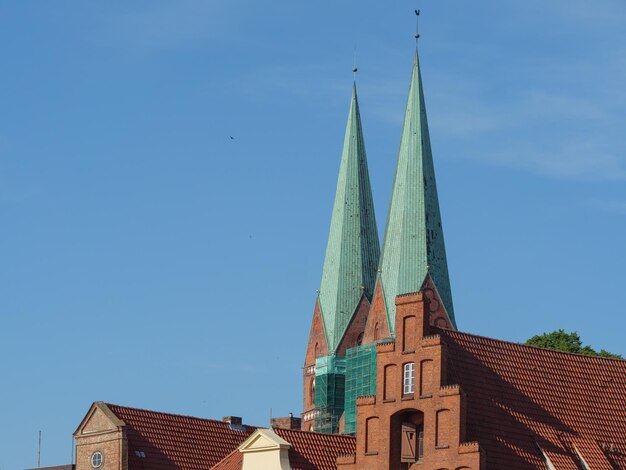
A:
(360, 380)
(329, 393)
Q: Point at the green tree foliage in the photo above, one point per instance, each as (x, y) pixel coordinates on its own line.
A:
(568, 342)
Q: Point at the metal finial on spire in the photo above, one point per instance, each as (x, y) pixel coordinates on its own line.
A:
(354, 69)
(417, 25)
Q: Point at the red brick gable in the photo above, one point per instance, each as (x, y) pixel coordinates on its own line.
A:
(161, 441)
(521, 397)
(415, 419)
(377, 327)
(355, 331)
(316, 347)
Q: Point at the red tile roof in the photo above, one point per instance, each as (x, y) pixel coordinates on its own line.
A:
(233, 461)
(316, 451)
(171, 441)
(309, 450)
(521, 398)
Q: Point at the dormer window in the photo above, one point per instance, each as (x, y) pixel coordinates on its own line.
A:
(409, 378)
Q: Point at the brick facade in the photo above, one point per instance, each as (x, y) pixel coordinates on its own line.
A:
(377, 327)
(354, 333)
(317, 347)
(389, 424)
(101, 431)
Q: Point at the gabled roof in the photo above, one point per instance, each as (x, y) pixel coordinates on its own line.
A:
(521, 399)
(264, 439)
(353, 249)
(162, 441)
(309, 450)
(413, 245)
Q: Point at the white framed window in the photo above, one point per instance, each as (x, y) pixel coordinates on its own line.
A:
(96, 459)
(409, 378)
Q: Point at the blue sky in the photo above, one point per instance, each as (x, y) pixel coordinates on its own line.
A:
(145, 256)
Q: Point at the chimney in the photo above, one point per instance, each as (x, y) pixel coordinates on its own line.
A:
(232, 420)
(288, 422)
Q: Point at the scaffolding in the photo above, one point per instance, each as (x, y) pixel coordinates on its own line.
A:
(330, 373)
(360, 380)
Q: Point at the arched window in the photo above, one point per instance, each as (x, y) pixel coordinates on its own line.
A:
(312, 389)
(409, 378)
(442, 424)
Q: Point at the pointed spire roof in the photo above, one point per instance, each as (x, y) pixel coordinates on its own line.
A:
(353, 249)
(413, 245)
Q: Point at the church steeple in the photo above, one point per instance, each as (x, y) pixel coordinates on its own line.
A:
(413, 248)
(353, 249)
(347, 286)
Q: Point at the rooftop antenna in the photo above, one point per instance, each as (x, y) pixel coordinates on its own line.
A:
(354, 69)
(417, 25)
(39, 451)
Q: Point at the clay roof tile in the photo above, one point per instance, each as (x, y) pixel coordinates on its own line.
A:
(562, 401)
(161, 441)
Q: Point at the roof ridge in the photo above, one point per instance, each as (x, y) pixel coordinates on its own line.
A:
(173, 414)
(556, 351)
(303, 431)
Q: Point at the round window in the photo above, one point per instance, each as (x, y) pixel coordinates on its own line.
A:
(96, 459)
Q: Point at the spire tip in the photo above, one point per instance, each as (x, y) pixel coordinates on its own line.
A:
(417, 25)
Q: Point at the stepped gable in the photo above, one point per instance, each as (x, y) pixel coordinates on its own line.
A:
(309, 450)
(523, 402)
(163, 441)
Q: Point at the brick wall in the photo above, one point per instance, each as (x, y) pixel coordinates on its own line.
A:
(435, 408)
(99, 433)
(316, 347)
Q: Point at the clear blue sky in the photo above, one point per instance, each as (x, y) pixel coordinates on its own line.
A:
(146, 257)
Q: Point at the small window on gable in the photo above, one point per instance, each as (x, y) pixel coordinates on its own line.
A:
(96, 459)
(409, 378)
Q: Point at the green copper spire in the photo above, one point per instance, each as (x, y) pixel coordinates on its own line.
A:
(413, 244)
(353, 248)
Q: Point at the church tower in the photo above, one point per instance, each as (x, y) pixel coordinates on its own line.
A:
(413, 255)
(347, 285)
